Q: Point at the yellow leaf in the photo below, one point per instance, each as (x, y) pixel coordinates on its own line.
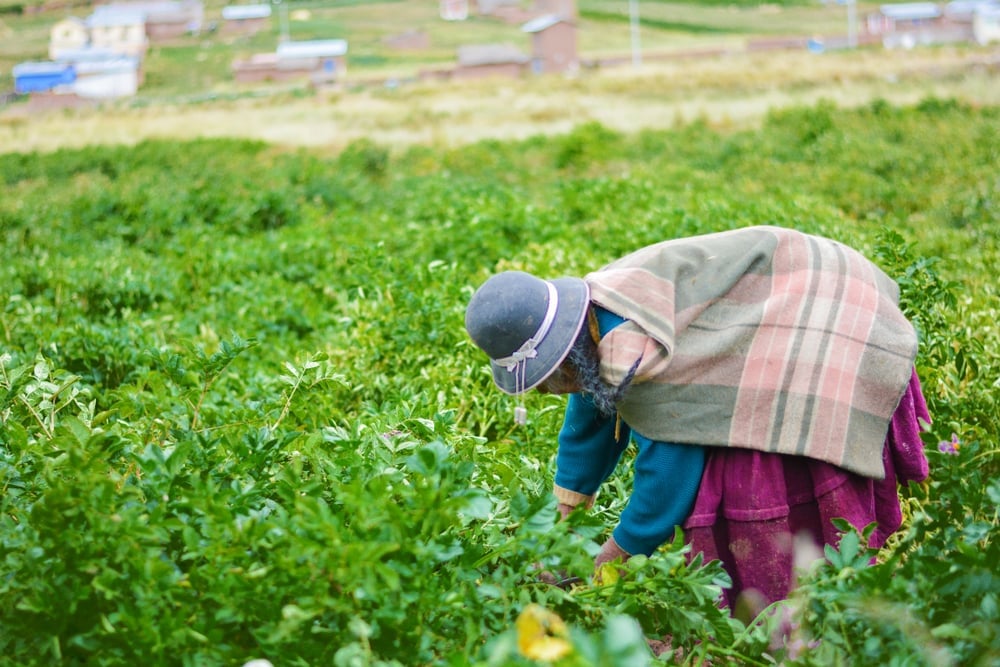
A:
(607, 574)
(541, 635)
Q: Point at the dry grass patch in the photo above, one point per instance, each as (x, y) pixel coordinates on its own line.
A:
(732, 91)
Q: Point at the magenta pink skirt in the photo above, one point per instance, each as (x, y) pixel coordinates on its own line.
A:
(753, 507)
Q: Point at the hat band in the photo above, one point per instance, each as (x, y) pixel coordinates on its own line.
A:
(527, 349)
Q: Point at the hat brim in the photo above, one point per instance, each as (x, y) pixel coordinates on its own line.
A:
(574, 299)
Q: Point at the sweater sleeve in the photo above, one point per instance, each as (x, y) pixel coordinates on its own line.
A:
(667, 478)
(667, 475)
(588, 451)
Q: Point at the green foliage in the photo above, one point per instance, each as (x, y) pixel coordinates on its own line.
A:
(240, 417)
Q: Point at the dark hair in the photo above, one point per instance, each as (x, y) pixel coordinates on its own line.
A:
(583, 357)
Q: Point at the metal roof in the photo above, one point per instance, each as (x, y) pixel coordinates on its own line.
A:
(149, 6)
(965, 5)
(970, 7)
(37, 68)
(540, 23)
(317, 48)
(241, 12)
(911, 11)
(114, 18)
(158, 11)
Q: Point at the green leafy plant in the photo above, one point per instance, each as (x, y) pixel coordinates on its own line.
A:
(340, 483)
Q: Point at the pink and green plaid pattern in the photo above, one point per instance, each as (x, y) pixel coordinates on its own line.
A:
(762, 338)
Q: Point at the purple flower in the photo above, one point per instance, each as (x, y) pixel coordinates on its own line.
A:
(950, 446)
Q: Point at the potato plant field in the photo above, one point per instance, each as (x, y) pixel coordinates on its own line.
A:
(240, 417)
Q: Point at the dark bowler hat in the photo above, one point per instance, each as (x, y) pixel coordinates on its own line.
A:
(526, 325)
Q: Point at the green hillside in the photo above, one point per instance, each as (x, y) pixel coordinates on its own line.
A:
(200, 64)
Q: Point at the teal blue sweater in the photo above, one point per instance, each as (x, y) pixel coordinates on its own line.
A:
(667, 475)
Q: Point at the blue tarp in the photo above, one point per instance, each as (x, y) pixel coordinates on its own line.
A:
(39, 77)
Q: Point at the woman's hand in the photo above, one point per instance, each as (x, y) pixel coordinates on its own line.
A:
(610, 551)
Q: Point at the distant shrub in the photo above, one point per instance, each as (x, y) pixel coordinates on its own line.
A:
(366, 158)
(938, 105)
(586, 145)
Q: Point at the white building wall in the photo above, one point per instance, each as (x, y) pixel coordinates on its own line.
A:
(986, 26)
(106, 80)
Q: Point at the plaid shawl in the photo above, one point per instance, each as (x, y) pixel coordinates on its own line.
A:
(761, 338)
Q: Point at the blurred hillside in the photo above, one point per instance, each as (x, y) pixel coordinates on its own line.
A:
(200, 64)
(697, 65)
